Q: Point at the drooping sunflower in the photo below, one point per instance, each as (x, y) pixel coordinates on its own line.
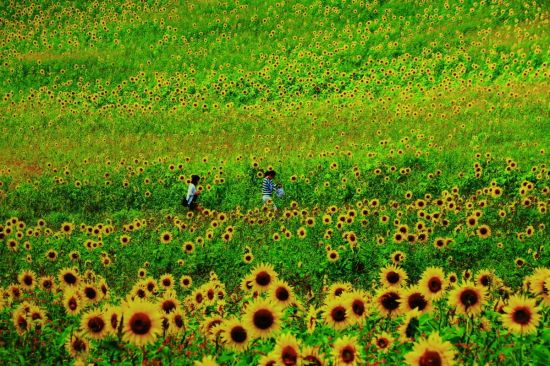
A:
(77, 345)
(235, 335)
(431, 351)
(346, 351)
(177, 321)
(94, 325)
(393, 276)
(521, 315)
(336, 314)
(311, 356)
(389, 301)
(21, 321)
(209, 323)
(414, 298)
(338, 289)
(409, 329)
(142, 322)
(467, 298)
(433, 283)
(113, 316)
(287, 350)
(73, 302)
(263, 275)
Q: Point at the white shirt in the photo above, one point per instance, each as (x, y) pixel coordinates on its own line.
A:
(191, 192)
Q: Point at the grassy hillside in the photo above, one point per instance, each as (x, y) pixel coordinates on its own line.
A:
(411, 138)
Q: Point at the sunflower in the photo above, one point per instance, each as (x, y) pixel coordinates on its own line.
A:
(312, 357)
(281, 293)
(142, 322)
(69, 277)
(166, 237)
(467, 298)
(263, 318)
(177, 321)
(398, 257)
(186, 281)
(433, 283)
(167, 281)
(333, 255)
(94, 324)
(485, 278)
(209, 323)
(206, 361)
(263, 276)
(188, 247)
(521, 315)
(484, 231)
(287, 350)
(346, 351)
(408, 331)
(268, 360)
(357, 305)
(168, 303)
(392, 276)
(27, 280)
(248, 258)
(538, 284)
(235, 335)
(337, 289)
(21, 322)
(311, 319)
(73, 302)
(431, 351)
(389, 301)
(90, 293)
(113, 317)
(336, 314)
(77, 345)
(383, 342)
(414, 298)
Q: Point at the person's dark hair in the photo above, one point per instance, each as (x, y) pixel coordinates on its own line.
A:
(270, 173)
(195, 179)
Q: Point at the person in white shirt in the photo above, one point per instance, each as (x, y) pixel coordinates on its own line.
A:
(193, 193)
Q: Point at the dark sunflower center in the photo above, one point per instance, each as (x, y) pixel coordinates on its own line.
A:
(27, 280)
(238, 334)
(79, 346)
(199, 298)
(522, 316)
(282, 294)
(73, 304)
(263, 278)
(434, 284)
(140, 323)
(263, 319)
(96, 324)
(430, 358)
(47, 284)
(417, 301)
(412, 326)
(179, 321)
(90, 293)
(468, 298)
(289, 355)
(168, 306)
(338, 314)
(22, 322)
(382, 342)
(114, 321)
(69, 278)
(390, 301)
(338, 291)
(393, 277)
(166, 282)
(358, 307)
(348, 354)
(485, 281)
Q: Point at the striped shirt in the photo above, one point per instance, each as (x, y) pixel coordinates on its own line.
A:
(268, 186)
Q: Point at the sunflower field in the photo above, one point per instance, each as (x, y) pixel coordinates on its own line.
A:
(410, 137)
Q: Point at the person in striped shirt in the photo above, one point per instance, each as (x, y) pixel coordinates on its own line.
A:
(268, 187)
